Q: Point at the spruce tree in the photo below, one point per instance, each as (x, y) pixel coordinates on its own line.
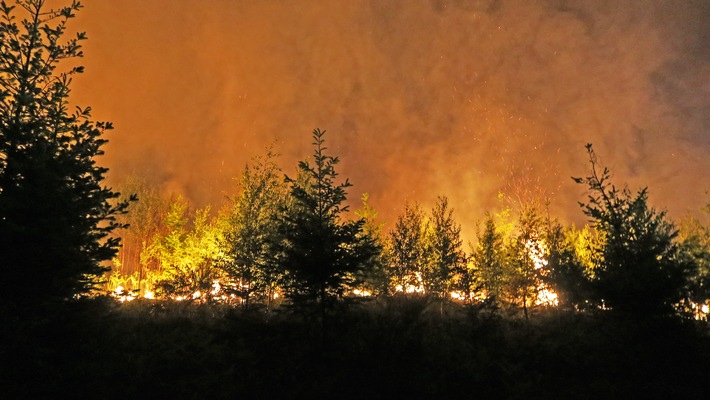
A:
(322, 254)
(526, 259)
(444, 253)
(640, 270)
(56, 216)
(488, 259)
(405, 249)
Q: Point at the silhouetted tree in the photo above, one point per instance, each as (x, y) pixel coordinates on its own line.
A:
(55, 214)
(639, 271)
(405, 249)
(321, 253)
(526, 258)
(488, 257)
(251, 231)
(444, 254)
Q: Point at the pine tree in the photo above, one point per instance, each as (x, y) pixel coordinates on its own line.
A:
(488, 259)
(322, 254)
(405, 249)
(640, 271)
(444, 252)
(56, 216)
(525, 261)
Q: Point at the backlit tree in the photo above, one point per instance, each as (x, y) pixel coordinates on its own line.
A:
(488, 258)
(251, 231)
(444, 254)
(55, 214)
(527, 255)
(375, 278)
(639, 271)
(405, 249)
(322, 253)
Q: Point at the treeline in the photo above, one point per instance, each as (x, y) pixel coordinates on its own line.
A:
(283, 240)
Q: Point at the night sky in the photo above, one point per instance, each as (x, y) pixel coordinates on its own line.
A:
(419, 98)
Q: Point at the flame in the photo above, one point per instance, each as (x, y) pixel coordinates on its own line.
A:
(547, 297)
(362, 293)
(537, 251)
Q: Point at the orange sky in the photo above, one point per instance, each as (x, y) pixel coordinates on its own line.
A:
(419, 98)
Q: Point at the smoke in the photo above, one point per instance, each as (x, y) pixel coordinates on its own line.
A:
(460, 98)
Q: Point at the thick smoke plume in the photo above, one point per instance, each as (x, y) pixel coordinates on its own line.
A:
(419, 98)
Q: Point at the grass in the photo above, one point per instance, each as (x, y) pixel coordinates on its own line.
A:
(392, 348)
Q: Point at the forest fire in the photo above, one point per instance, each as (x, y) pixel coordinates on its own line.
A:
(488, 272)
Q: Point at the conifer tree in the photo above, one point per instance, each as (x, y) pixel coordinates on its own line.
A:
(405, 249)
(488, 258)
(56, 216)
(640, 271)
(525, 261)
(444, 252)
(322, 253)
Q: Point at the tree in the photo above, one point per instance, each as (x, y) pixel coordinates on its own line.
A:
(640, 271)
(375, 279)
(187, 255)
(444, 255)
(526, 260)
(694, 238)
(144, 220)
(405, 249)
(565, 272)
(252, 231)
(488, 259)
(56, 216)
(321, 253)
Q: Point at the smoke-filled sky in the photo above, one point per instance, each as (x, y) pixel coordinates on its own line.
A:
(419, 98)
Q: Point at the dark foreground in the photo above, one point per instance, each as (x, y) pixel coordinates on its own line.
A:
(394, 349)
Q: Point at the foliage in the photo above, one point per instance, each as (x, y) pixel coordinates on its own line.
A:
(444, 255)
(488, 258)
(145, 220)
(640, 270)
(187, 255)
(526, 256)
(55, 216)
(405, 249)
(565, 272)
(375, 279)
(694, 239)
(251, 232)
(322, 254)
